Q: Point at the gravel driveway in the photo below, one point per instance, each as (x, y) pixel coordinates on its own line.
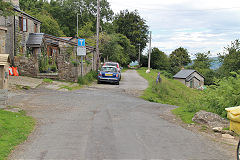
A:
(103, 122)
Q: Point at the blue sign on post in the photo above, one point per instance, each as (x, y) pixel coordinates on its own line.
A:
(81, 42)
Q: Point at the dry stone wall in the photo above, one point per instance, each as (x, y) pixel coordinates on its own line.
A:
(27, 66)
(3, 32)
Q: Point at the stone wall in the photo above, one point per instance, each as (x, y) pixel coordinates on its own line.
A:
(3, 32)
(3, 97)
(66, 69)
(181, 80)
(27, 66)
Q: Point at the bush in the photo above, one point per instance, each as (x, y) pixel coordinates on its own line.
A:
(217, 97)
(88, 78)
(167, 74)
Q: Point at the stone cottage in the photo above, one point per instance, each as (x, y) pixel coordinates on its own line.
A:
(19, 26)
(41, 55)
(190, 78)
(60, 54)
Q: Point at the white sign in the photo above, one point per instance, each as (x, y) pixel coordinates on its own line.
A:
(81, 51)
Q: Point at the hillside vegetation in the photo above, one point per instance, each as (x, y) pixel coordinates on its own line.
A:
(214, 99)
(169, 91)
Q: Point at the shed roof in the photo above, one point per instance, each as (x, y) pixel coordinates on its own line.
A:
(184, 73)
(35, 39)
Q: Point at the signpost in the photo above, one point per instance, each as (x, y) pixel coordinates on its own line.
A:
(81, 51)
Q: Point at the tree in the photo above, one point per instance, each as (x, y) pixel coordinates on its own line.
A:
(133, 27)
(231, 59)
(65, 12)
(202, 64)
(159, 60)
(49, 24)
(6, 9)
(179, 58)
(144, 60)
(202, 60)
(117, 48)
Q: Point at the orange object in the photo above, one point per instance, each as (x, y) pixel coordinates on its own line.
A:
(10, 71)
(15, 71)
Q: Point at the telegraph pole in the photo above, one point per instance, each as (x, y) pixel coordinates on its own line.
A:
(139, 55)
(77, 25)
(98, 24)
(150, 50)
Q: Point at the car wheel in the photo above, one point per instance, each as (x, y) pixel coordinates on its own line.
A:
(98, 82)
(117, 83)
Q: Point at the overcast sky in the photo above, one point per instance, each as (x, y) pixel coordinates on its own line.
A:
(198, 25)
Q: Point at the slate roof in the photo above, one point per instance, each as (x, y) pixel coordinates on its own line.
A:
(184, 73)
(35, 39)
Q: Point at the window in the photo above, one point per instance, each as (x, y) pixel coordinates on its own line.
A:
(23, 23)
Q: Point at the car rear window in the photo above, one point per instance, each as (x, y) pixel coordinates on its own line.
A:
(112, 64)
(109, 69)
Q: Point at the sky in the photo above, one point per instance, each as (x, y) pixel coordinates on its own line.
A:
(197, 25)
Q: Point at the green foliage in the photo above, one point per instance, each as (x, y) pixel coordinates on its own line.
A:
(230, 60)
(53, 67)
(159, 60)
(87, 30)
(134, 28)
(49, 25)
(184, 114)
(88, 78)
(179, 58)
(202, 60)
(218, 97)
(14, 129)
(46, 80)
(144, 60)
(85, 8)
(6, 9)
(62, 14)
(118, 49)
(202, 64)
(43, 63)
(169, 91)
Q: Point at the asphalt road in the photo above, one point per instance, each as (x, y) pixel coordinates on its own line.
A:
(106, 122)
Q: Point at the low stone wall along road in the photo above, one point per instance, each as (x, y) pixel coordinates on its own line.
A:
(107, 122)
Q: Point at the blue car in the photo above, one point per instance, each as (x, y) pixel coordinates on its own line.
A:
(109, 74)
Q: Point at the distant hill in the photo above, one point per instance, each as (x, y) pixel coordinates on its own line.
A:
(214, 65)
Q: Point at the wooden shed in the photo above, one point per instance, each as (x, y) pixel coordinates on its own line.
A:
(190, 78)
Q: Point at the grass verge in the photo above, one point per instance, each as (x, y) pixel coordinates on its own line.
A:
(88, 78)
(14, 129)
(46, 80)
(124, 70)
(171, 92)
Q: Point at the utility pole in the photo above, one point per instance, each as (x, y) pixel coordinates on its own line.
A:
(77, 25)
(139, 55)
(98, 24)
(150, 50)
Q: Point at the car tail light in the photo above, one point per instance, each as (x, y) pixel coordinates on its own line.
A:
(100, 74)
(116, 75)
